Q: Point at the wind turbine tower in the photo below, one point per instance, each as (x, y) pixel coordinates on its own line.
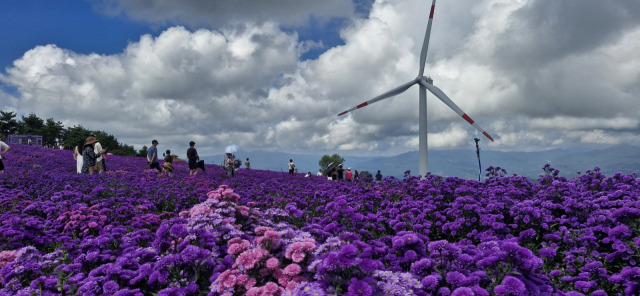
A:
(425, 83)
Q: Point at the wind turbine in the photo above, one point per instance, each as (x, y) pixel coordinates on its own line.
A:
(425, 83)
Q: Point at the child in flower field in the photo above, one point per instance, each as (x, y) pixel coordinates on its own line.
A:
(168, 163)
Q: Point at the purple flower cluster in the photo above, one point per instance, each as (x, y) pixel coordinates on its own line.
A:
(131, 231)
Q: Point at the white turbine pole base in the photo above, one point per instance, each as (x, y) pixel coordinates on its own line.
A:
(422, 133)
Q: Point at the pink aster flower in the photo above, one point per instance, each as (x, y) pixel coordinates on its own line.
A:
(238, 247)
(7, 257)
(254, 291)
(227, 279)
(92, 224)
(243, 210)
(292, 269)
(272, 288)
(199, 209)
(251, 282)
(250, 258)
(270, 234)
(297, 257)
(272, 263)
(242, 279)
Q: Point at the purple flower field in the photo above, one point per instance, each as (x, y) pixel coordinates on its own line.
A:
(132, 231)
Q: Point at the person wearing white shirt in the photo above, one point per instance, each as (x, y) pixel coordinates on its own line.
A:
(97, 148)
(4, 148)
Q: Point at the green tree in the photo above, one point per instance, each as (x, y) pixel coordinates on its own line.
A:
(8, 123)
(143, 151)
(107, 141)
(123, 149)
(72, 135)
(51, 132)
(326, 160)
(31, 125)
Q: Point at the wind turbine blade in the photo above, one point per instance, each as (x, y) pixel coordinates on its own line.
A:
(396, 91)
(443, 97)
(425, 43)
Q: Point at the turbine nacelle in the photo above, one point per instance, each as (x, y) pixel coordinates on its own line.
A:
(426, 79)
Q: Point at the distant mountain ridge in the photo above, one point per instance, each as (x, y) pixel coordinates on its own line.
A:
(463, 163)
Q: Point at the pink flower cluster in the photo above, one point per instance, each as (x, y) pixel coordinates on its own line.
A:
(232, 278)
(258, 271)
(297, 251)
(83, 219)
(269, 240)
(7, 257)
(201, 209)
(224, 193)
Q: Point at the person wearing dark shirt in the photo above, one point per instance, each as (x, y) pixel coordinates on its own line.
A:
(152, 156)
(378, 176)
(193, 157)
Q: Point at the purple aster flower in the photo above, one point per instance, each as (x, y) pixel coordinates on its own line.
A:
(455, 278)
(463, 291)
(430, 282)
(620, 231)
(437, 245)
(511, 286)
(410, 256)
(178, 231)
(370, 265)
(591, 266)
(585, 285)
(359, 288)
(347, 255)
(548, 253)
(110, 287)
(422, 267)
(444, 291)
(479, 291)
(307, 289)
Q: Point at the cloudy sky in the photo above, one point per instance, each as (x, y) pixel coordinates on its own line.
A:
(274, 74)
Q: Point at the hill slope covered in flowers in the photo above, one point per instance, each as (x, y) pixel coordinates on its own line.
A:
(132, 231)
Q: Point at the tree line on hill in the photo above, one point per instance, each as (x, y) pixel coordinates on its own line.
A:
(54, 133)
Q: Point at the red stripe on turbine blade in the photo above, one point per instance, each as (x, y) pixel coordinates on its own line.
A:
(433, 7)
(362, 105)
(487, 135)
(467, 118)
(343, 113)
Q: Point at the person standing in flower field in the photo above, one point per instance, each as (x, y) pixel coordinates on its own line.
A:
(168, 163)
(89, 156)
(247, 164)
(152, 156)
(77, 155)
(349, 175)
(193, 157)
(292, 166)
(4, 148)
(97, 148)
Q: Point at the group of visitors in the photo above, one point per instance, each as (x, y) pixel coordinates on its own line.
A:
(195, 164)
(339, 173)
(89, 156)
